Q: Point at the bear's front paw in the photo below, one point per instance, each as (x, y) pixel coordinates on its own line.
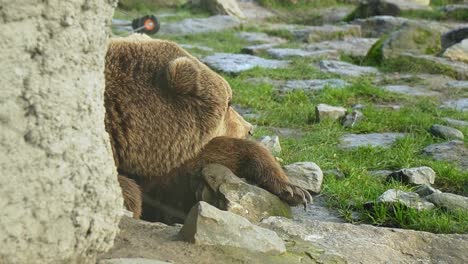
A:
(293, 194)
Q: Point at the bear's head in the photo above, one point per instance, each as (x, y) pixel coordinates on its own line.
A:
(193, 79)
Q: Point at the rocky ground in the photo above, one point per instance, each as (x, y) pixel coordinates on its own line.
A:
(369, 115)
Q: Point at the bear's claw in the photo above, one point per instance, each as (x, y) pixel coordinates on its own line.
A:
(294, 195)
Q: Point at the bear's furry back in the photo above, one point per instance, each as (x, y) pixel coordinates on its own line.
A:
(154, 127)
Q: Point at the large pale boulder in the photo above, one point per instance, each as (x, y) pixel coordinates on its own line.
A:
(222, 7)
(59, 195)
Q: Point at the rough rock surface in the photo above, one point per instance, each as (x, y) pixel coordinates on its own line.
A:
(410, 90)
(260, 37)
(271, 143)
(208, 225)
(346, 69)
(388, 7)
(457, 104)
(458, 69)
(454, 36)
(425, 189)
(58, 191)
(229, 192)
(446, 132)
(236, 63)
(283, 53)
(453, 151)
(369, 245)
(324, 111)
(353, 46)
(192, 26)
(449, 201)
(310, 85)
(326, 32)
(377, 26)
(419, 175)
(131, 261)
(408, 199)
(222, 7)
(458, 52)
(455, 122)
(384, 140)
(353, 118)
(307, 175)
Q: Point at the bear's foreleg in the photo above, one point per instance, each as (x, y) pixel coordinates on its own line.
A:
(250, 160)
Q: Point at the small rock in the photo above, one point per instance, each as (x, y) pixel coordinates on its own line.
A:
(380, 174)
(449, 201)
(284, 53)
(425, 189)
(236, 63)
(208, 225)
(324, 111)
(131, 261)
(453, 151)
(457, 104)
(357, 47)
(410, 90)
(384, 140)
(193, 26)
(457, 52)
(454, 122)
(419, 175)
(307, 175)
(260, 37)
(409, 199)
(271, 143)
(231, 193)
(446, 132)
(351, 119)
(454, 36)
(310, 85)
(346, 69)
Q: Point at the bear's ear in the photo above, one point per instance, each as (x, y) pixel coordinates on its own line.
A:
(182, 75)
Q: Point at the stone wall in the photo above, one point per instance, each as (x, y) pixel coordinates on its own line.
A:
(59, 197)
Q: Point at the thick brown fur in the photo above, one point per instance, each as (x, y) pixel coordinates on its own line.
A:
(166, 111)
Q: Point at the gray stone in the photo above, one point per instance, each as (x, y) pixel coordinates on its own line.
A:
(457, 104)
(208, 225)
(346, 69)
(326, 32)
(229, 192)
(378, 26)
(287, 132)
(284, 53)
(380, 174)
(222, 7)
(384, 140)
(454, 36)
(254, 11)
(317, 210)
(449, 201)
(409, 199)
(410, 90)
(388, 7)
(453, 151)
(425, 189)
(369, 244)
(190, 46)
(446, 132)
(457, 68)
(310, 85)
(457, 52)
(306, 175)
(351, 119)
(191, 26)
(271, 143)
(59, 195)
(131, 261)
(457, 84)
(324, 111)
(419, 175)
(260, 37)
(237, 63)
(257, 49)
(357, 47)
(454, 122)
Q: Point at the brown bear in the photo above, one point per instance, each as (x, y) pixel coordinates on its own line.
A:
(168, 114)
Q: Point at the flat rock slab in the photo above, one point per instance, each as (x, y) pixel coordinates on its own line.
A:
(207, 225)
(452, 151)
(326, 32)
(260, 37)
(385, 140)
(284, 53)
(449, 201)
(377, 26)
(310, 85)
(446, 132)
(346, 69)
(455, 122)
(354, 46)
(131, 261)
(193, 26)
(459, 69)
(369, 245)
(457, 104)
(410, 90)
(237, 63)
